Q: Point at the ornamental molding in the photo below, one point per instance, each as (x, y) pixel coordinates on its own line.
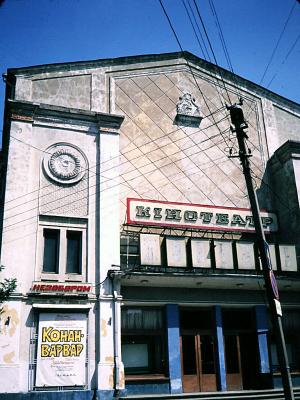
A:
(28, 111)
(188, 113)
(64, 163)
(187, 106)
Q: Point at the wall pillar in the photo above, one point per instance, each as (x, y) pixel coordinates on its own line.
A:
(261, 319)
(220, 353)
(172, 312)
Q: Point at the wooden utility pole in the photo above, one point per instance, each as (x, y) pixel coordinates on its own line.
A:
(238, 121)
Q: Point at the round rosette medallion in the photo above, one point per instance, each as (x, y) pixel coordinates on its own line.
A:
(64, 163)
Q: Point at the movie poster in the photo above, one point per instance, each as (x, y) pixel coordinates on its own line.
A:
(61, 350)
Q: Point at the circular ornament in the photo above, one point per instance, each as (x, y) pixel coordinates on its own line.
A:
(64, 163)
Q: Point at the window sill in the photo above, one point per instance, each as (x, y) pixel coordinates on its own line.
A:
(148, 377)
(293, 373)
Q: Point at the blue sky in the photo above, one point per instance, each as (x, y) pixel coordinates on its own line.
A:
(37, 32)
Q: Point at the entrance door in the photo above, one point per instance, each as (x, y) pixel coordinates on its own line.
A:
(241, 361)
(234, 379)
(198, 362)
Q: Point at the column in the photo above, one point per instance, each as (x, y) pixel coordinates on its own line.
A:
(220, 353)
(261, 319)
(174, 348)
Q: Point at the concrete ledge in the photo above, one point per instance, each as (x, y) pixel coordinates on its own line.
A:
(45, 395)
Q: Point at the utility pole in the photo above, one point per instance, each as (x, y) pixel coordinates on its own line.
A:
(238, 121)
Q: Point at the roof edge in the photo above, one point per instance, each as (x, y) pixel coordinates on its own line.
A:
(69, 66)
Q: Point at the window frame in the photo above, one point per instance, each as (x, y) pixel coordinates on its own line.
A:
(63, 226)
(154, 339)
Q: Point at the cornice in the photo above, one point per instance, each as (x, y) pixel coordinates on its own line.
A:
(27, 111)
(290, 150)
(154, 58)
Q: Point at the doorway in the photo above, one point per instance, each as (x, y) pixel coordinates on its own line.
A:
(241, 350)
(234, 379)
(198, 362)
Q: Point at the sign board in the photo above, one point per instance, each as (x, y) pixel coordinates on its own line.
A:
(183, 215)
(61, 349)
(46, 287)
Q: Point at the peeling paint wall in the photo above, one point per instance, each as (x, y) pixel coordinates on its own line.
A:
(69, 91)
(10, 327)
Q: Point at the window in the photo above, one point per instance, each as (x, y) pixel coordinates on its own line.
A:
(74, 244)
(129, 250)
(51, 250)
(62, 250)
(143, 347)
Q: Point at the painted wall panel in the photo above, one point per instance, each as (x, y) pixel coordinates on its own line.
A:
(201, 257)
(223, 254)
(176, 252)
(288, 257)
(150, 249)
(245, 255)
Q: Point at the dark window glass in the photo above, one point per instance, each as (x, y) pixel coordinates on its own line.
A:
(207, 354)
(142, 354)
(74, 245)
(200, 319)
(51, 250)
(232, 355)
(134, 319)
(189, 354)
(143, 340)
(237, 319)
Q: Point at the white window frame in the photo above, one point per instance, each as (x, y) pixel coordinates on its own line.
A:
(63, 227)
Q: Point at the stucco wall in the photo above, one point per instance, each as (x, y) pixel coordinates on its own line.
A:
(288, 125)
(163, 161)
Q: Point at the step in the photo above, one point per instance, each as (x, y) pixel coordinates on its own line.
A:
(270, 394)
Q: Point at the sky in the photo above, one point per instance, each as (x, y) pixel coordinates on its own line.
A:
(35, 32)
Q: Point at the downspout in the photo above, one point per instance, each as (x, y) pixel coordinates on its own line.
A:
(115, 277)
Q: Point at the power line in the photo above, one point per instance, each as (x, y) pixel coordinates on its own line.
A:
(179, 44)
(222, 39)
(89, 195)
(90, 168)
(203, 41)
(173, 30)
(103, 176)
(197, 37)
(211, 48)
(116, 157)
(223, 42)
(277, 43)
(285, 59)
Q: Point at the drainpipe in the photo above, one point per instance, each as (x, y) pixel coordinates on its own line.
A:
(115, 278)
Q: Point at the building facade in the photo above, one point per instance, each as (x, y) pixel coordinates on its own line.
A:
(129, 231)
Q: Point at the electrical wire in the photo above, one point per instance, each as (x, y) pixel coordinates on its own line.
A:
(211, 49)
(99, 164)
(95, 166)
(89, 196)
(224, 46)
(191, 13)
(180, 46)
(203, 42)
(278, 42)
(284, 60)
(84, 189)
(111, 168)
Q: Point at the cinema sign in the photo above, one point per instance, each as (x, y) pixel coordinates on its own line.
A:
(204, 217)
